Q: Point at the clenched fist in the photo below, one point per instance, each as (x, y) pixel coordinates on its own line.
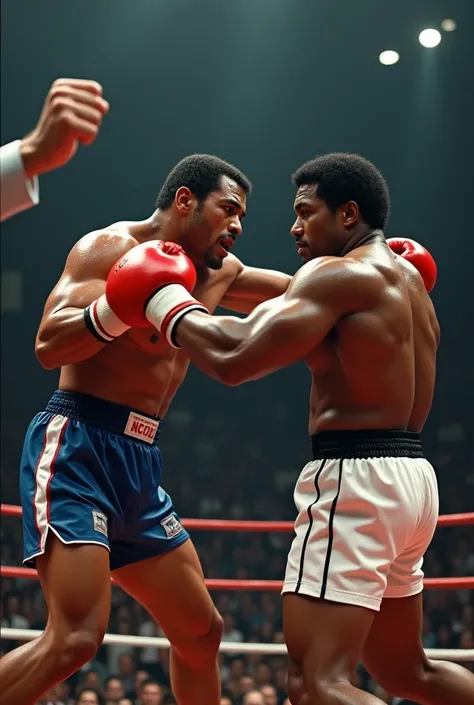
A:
(72, 114)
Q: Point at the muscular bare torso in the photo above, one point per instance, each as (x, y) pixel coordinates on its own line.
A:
(139, 369)
(376, 369)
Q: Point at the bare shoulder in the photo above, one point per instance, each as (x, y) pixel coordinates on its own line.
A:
(232, 266)
(329, 277)
(97, 251)
(419, 297)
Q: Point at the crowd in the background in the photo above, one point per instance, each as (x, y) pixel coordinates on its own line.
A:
(257, 484)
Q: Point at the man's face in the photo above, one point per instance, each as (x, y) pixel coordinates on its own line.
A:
(92, 679)
(126, 665)
(269, 694)
(246, 683)
(214, 224)
(88, 697)
(151, 694)
(318, 232)
(237, 668)
(140, 676)
(114, 691)
(254, 698)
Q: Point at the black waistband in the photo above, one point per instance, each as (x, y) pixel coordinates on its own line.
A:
(366, 444)
(107, 415)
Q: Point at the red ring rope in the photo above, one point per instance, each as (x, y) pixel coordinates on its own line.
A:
(231, 584)
(265, 526)
(262, 526)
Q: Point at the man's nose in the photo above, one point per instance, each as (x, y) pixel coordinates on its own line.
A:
(297, 229)
(235, 227)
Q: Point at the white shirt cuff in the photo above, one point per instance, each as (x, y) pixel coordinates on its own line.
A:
(17, 192)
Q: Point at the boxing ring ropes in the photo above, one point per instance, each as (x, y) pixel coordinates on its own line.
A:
(463, 583)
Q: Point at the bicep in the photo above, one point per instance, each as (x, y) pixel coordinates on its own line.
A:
(71, 293)
(280, 333)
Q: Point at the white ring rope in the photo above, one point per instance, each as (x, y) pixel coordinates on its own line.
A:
(225, 647)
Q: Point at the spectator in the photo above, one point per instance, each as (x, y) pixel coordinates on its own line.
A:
(64, 690)
(253, 697)
(151, 693)
(428, 635)
(51, 697)
(262, 674)
(230, 632)
(445, 637)
(140, 677)
(93, 679)
(226, 697)
(270, 695)
(115, 651)
(148, 627)
(126, 671)
(114, 691)
(12, 616)
(89, 696)
(236, 671)
(466, 640)
(246, 684)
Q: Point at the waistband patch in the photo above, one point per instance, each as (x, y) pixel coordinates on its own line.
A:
(141, 427)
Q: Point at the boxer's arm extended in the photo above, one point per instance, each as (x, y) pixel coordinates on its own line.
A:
(63, 337)
(281, 331)
(252, 286)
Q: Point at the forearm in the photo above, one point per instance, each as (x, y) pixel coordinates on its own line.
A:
(212, 342)
(65, 339)
(69, 335)
(226, 348)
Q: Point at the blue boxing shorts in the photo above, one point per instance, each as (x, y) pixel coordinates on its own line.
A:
(91, 473)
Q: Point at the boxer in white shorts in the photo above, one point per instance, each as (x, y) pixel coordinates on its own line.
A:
(367, 510)
(361, 318)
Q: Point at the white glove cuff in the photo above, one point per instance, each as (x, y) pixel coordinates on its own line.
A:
(102, 321)
(168, 306)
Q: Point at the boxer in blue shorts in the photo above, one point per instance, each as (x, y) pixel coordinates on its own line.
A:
(91, 468)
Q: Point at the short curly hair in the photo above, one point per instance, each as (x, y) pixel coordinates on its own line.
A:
(341, 177)
(201, 173)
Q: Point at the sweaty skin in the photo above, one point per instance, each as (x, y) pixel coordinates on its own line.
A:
(364, 325)
(138, 369)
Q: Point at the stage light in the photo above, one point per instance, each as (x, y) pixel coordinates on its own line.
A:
(448, 25)
(389, 57)
(430, 38)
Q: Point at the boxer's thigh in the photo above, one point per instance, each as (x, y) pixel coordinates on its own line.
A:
(171, 587)
(324, 639)
(76, 584)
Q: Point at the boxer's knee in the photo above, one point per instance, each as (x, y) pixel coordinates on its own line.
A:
(295, 684)
(70, 648)
(203, 645)
(407, 682)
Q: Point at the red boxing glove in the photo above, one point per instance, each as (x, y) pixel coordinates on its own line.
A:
(133, 283)
(418, 256)
(140, 273)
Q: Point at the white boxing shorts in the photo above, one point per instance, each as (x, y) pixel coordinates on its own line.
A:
(367, 510)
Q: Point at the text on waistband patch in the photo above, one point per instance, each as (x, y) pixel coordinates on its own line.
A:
(141, 427)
